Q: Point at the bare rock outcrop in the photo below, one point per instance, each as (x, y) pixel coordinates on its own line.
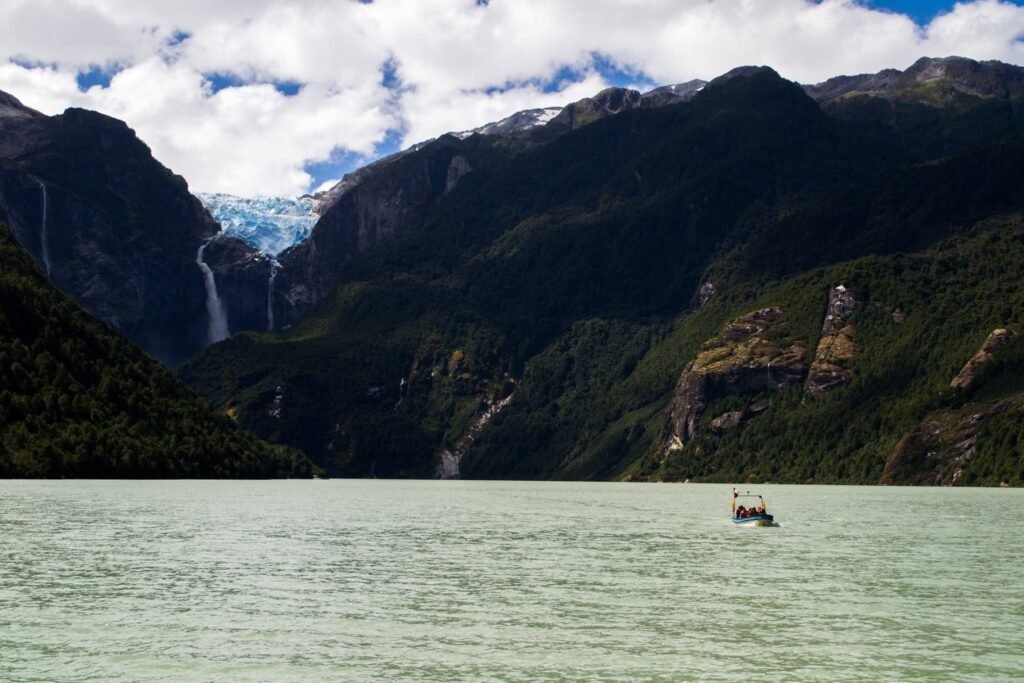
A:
(936, 453)
(705, 292)
(740, 359)
(449, 458)
(836, 346)
(967, 378)
(727, 420)
(457, 168)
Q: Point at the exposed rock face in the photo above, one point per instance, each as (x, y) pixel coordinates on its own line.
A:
(738, 360)
(448, 459)
(706, 291)
(121, 230)
(727, 421)
(966, 379)
(836, 346)
(608, 102)
(936, 453)
(672, 94)
(367, 211)
(456, 169)
(242, 275)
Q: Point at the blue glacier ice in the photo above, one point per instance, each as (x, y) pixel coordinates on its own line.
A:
(270, 224)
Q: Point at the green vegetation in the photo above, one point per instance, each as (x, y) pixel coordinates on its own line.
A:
(953, 295)
(79, 400)
(568, 275)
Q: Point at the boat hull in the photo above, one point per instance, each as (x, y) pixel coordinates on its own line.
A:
(754, 521)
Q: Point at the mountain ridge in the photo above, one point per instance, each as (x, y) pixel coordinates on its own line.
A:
(527, 304)
(528, 311)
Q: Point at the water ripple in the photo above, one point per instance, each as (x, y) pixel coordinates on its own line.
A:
(496, 581)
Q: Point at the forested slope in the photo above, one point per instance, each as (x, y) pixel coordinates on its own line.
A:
(77, 399)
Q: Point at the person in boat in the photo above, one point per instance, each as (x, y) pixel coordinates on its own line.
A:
(741, 512)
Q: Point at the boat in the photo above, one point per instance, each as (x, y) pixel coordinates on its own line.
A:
(743, 515)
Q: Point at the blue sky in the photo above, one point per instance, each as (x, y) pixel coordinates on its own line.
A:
(921, 11)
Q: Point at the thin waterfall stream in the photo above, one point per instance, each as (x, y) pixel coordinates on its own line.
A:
(218, 318)
(43, 238)
(274, 267)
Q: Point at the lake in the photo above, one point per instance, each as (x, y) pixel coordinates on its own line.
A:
(475, 581)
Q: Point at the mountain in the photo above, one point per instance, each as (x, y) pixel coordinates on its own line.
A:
(122, 234)
(368, 205)
(635, 285)
(646, 296)
(928, 81)
(113, 227)
(516, 123)
(79, 400)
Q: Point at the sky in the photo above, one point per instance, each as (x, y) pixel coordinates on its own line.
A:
(280, 97)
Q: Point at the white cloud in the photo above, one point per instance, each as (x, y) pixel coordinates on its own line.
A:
(459, 65)
(326, 185)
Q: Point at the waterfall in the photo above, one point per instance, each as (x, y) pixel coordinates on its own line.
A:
(401, 392)
(42, 235)
(274, 267)
(214, 307)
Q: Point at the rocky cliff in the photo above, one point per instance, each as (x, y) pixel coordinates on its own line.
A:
(741, 359)
(114, 228)
(366, 211)
(744, 359)
(968, 376)
(836, 346)
(108, 223)
(937, 452)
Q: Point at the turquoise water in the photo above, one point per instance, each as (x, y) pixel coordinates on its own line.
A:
(475, 581)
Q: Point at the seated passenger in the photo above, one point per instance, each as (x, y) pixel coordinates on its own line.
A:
(741, 511)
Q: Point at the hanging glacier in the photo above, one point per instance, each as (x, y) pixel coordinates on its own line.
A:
(270, 224)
